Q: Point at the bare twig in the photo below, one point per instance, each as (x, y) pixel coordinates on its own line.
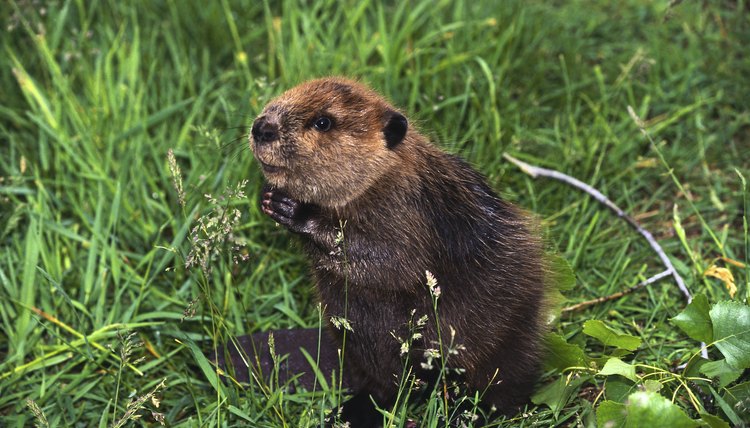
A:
(535, 171)
(587, 303)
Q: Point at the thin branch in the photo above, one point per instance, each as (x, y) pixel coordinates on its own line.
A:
(549, 173)
(587, 303)
(535, 171)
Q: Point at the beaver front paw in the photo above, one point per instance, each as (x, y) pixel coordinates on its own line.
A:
(288, 212)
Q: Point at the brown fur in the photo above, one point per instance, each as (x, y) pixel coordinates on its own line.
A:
(309, 156)
(407, 208)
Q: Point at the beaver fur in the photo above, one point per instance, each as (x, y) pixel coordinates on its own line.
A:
(376, 206)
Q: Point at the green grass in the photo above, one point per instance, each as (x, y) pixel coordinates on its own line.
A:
(93, 240)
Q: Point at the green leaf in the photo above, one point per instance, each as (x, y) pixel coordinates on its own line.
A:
(649, 409)
(615, 366)
(731, 322)
(610, 414)
(609, 337)
(695, 321)
(722, 370)
(652, 385)
(618, 389)
(555, 301)
(26, 295)
(738, 398)
(104, 419)
(557, 394)
(560, 354)
(319, 375)
(693, 366)
(714, 421)
(680, 231)
(726, 407)
(205, 366)
(238, 412)
(561, 274)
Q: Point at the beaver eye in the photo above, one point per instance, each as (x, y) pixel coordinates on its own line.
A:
(323, 124)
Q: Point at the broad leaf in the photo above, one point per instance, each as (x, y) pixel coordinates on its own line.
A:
(561, 354)
(615, 366)
(738, 398)
(618, 388)
(714, 421)
(729, 410)
(731, 328)
(649, 409)
(557, 394)
(652, 385)
(609, 337)
(694, 320)
(610, 414)
(561, 274)
(722, 370)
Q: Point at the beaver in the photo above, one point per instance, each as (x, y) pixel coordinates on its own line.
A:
(380, 210)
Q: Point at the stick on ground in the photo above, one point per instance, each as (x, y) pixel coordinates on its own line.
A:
(535, 171)
(587, 303)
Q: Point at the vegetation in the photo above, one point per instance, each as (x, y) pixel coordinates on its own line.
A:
(104, 322)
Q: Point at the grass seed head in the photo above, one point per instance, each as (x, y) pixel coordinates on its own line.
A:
(41, 419)
(214, 232)
(174, 169)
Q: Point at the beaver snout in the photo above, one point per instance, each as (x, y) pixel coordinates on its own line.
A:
(265, 131)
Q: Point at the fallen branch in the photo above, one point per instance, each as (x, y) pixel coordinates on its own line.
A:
(535, 171)
(587, 303)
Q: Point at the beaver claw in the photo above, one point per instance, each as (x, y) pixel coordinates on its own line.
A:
(288, 212)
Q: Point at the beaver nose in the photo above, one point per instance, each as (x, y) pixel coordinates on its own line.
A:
(264, 131)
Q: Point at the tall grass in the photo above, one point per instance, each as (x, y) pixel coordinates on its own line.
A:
(93, 239)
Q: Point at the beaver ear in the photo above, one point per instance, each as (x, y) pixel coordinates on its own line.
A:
(395, 128)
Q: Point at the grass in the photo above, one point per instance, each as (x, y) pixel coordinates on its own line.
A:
(93, 241)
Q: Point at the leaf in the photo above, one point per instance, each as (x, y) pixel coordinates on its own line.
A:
(319, 375)
(714, 421)
(555, 301)
(615, 366)
(693, 367)
(725, 275)
(610, 414)
(695, 321)
(561, 274)
(609, 337)
(649, 409)
(722, 370)
(617, 388)
(557, 394)
(731, 327)
(205, 366)
(238, 412)
(652, 385)
(643, 409)
(560, 354)
(738, 398)
(680, 231)
(733, 262)
(725, 407)
(26, 295)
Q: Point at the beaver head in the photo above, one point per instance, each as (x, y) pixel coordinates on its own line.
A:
(328, 140)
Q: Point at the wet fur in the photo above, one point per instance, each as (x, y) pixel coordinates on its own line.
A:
(408, 208)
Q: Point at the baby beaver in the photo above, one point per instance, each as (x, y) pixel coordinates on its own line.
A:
(377, 207)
